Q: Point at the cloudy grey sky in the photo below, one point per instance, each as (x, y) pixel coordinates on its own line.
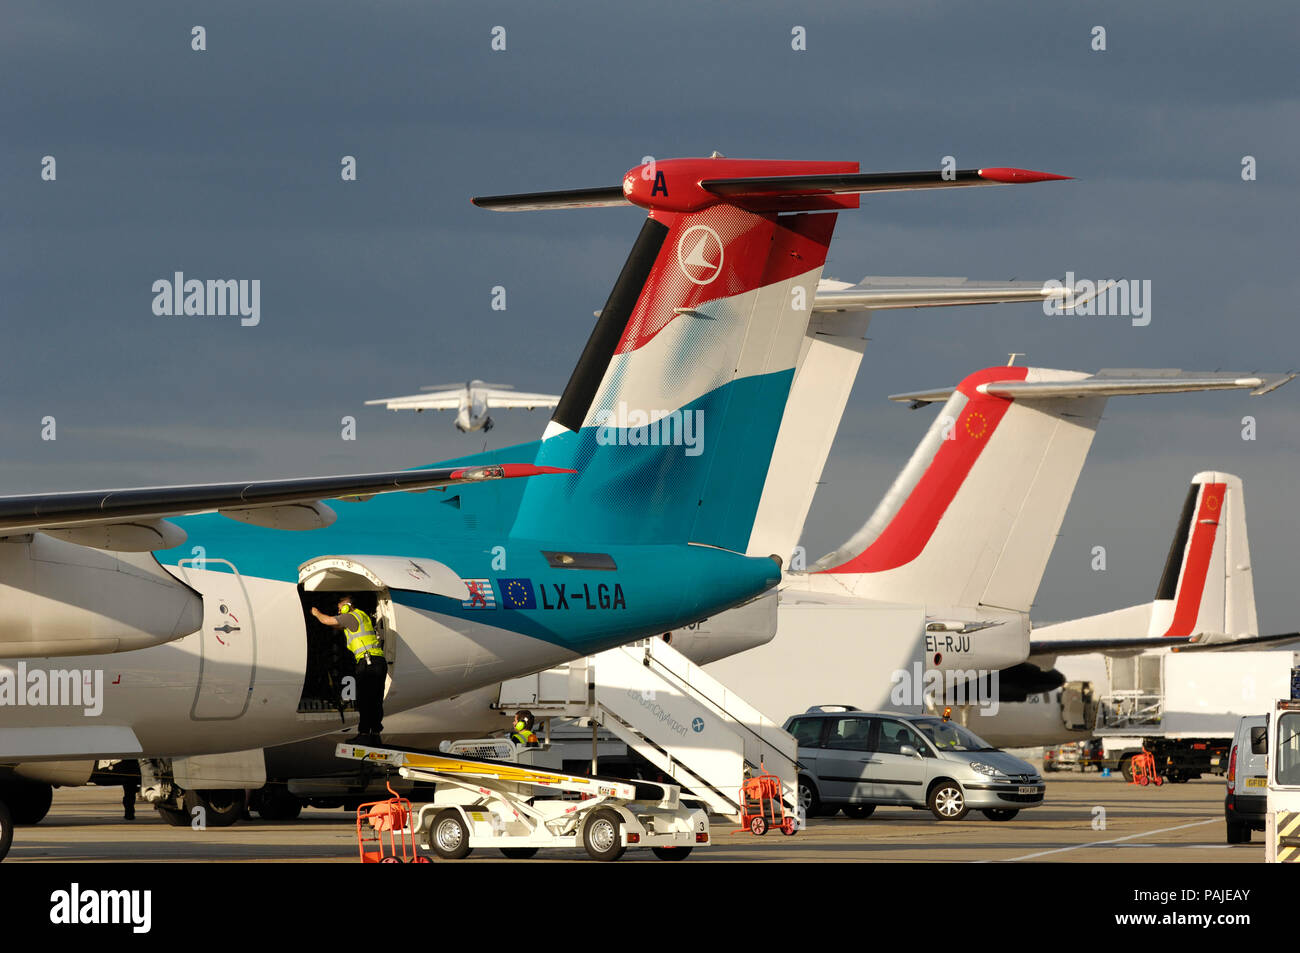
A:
(225, 163)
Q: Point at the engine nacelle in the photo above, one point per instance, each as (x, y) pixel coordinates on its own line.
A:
(60, 599)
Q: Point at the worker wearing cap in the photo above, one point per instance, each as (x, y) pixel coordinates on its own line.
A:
(372, 668)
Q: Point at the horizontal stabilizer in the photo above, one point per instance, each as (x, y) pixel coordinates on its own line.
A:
(690, 185)
(1237, 645)
(569, 198)
(876, 293)
(1044, 647)
(753, 187)
(1113, 383)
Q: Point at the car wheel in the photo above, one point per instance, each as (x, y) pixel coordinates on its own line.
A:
(1126, 768)
(808, 798)
(448, 837)
(671, 853)
(860, 811)
(948, 802)
(1001, 813)
(1238, 833)
(519, 853)
(602, 835)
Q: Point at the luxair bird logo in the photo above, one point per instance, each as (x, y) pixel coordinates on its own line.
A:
(226, 626)
(699, 254)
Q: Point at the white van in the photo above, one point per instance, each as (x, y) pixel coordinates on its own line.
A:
(1246, 802)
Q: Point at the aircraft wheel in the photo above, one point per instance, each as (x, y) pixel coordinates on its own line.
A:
(221, 808)
(29, 801)
(6, 830)
(277, 804)
(175, 816)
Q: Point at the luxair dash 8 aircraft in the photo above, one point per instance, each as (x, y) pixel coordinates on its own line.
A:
(207, 648)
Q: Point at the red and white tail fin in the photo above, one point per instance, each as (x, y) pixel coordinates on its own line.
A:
(1207, 588)
(702, 331)
(972, 518)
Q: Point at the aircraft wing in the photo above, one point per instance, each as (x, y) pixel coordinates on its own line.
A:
(1115, 383)
(876, 293)
(436, 400)
(63, 511)
(510, 398)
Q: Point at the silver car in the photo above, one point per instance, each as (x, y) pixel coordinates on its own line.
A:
(856, 760)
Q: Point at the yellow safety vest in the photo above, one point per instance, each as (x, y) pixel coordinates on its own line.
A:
(364, 641)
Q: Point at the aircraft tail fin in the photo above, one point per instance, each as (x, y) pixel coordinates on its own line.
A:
(672, 412)
(974, 515)
(1207, 587)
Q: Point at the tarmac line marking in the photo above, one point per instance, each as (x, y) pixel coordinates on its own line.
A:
(1112, 840)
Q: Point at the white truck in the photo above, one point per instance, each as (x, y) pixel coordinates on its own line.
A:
(1282, 817)
(1184, 707)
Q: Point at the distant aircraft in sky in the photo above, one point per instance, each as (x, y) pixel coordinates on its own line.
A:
(472, 401)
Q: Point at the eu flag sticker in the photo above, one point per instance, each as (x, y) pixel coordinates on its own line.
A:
(517, 594)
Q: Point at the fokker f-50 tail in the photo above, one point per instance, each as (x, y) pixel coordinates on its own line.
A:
(971, 520)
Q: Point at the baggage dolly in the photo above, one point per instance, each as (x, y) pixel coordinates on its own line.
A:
(502, 805)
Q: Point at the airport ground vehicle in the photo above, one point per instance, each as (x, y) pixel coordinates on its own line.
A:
(1246, 800)
(855, 760)
(484, 803)
(1073, 756)
(1185, 708)
(1282, 817)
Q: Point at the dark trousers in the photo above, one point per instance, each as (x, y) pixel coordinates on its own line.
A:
(370, 694)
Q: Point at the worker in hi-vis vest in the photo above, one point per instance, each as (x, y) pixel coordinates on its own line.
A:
(523, 730)
(372, 668)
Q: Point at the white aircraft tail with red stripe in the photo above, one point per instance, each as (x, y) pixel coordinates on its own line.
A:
(971, 520)
(1207, 588)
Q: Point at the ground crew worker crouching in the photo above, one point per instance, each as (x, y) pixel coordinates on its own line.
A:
(372, 668)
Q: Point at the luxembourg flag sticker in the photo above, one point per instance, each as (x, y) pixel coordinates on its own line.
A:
(481, 595)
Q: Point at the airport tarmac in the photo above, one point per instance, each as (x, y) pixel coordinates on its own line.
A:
(1178, 823)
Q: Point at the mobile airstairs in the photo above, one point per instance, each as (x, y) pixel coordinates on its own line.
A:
(662, 706)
